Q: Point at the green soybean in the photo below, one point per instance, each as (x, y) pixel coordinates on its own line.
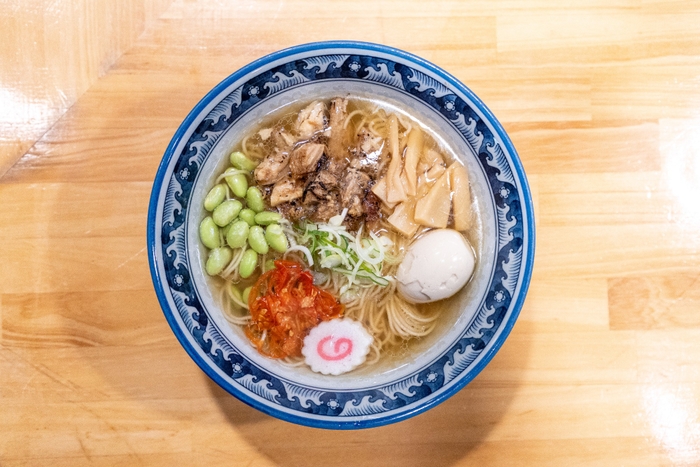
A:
(267, 217)
(225, 229)
(215, 197)
(247, 215)
(269, 265)
(248, 263)
(209, 233)
(275, 238)
(241, 162)
(218, 259)
(254, 198)
(246, 294)
(226, 212)
(256, 240)
(238, 184)
(237, 234)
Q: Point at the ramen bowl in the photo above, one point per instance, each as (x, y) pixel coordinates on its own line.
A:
(474, 324)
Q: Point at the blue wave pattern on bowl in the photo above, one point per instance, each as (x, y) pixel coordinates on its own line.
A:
(344, 404)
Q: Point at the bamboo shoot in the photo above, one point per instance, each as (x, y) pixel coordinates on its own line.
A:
(461, 197)
(402, 219)
(432, 157)
(395, 188)
(434, 209)
(412, 156)
(379, 189)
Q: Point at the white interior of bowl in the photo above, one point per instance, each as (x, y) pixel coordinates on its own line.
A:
(458, 311)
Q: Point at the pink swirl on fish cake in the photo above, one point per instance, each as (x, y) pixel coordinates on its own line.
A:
(336, 346)
(339, 348)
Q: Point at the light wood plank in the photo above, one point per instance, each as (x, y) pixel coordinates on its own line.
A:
(101, 209)
(587, 147)
(611, 199)
(565, 305)
(103, 373)
(627, 249)
(601, 100)
(52, 51)
(74, 264)
(88, 428)
(667, 355)
(81, 319)
(655, 302)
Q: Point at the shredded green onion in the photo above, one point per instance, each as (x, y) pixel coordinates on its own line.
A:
(331, 246)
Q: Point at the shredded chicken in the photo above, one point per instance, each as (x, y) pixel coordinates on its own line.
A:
(320, 169)
(304, 158)
(285, 190)
(372, 206)
(293, 211)
(355, 188)
(283, 140)
(323, 185)
(337, 144)
(367, 154)
(311, 120)
(273, 168)
(326, 210)
(368, 143)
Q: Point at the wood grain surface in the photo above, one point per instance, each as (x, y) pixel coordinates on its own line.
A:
(602, 101)
(51, 52)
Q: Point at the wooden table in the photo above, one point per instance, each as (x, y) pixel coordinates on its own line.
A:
(600, 97)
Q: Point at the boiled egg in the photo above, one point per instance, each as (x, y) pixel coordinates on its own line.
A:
(435, 267)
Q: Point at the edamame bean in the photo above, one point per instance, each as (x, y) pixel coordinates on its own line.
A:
(225, 229)
(237, 234)
(246, 294)
(275, 238)
(267, 217)
(269, 265)
(241, 162)
(254, 198)
(247, 215)
(215, 197)
(226, 212)
(238, 184)
(248, 263)
(218, 259)
(209, 233)
(256, 240)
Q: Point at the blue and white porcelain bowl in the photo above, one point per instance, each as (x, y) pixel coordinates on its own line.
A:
(461, 346)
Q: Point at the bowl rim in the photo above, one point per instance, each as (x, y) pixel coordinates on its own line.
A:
(383, 418)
